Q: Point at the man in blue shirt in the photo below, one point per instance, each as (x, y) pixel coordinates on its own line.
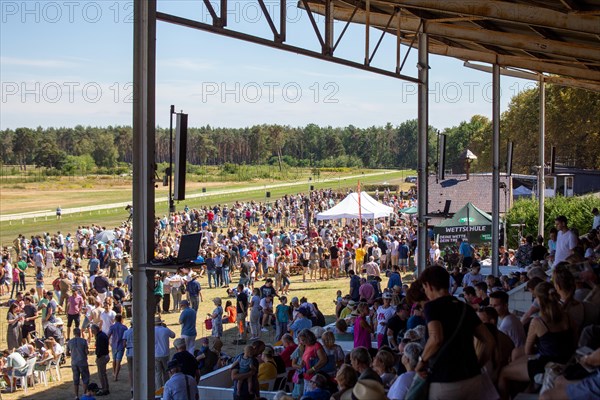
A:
(93, 265)
(403, 254)
(395, 279)
(115, 334)
(302, 322)
(354, 285)
(194, 291)
(180, 385)
(128, 342)
(187, 320)
(466, 253)
(102, 358)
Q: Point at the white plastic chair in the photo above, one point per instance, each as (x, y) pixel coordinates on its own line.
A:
(56, 365)
(280, 381)
(24, 379)
(43, 372)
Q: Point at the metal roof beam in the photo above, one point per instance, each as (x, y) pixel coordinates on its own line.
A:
(510, 12)
(556, 80)
(481, 36)
(189, 23)
(516, 62)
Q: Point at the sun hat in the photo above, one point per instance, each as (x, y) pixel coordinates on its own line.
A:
(368, 389)
(157, 320)
(387, 295)
(179, 343)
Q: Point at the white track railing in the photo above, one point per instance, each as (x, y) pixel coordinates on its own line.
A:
(89, 209)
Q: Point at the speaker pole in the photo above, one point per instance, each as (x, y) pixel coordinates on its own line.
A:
(169, 172)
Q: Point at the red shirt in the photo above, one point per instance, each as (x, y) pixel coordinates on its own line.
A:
(310, 354)
(287, 353)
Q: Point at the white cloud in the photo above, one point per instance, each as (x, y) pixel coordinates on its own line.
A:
(38, 62)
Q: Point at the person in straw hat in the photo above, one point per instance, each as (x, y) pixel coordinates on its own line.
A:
(366, 389)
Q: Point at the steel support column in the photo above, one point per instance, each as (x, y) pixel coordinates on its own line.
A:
(423, 123)
(542, 156)
(144, 65)
(495, 168)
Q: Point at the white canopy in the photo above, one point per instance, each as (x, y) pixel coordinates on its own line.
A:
(348, 208)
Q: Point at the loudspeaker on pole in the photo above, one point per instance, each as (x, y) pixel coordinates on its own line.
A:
(181, 131)
(552, 159)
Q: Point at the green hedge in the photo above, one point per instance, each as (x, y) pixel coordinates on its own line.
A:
(578, 211)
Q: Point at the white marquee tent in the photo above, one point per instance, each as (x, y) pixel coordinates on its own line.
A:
(348, 208)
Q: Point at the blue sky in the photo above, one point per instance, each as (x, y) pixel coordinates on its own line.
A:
(68, 63)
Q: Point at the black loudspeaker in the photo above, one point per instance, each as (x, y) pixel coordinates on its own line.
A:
(552, 159)
(181, 132)
(203, 190)
(509, 158)
(447, 207)
(268, 194)
(442, 158)
(312, 187)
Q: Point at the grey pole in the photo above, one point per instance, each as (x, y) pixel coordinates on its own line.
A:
(495, 168)
(542, 144)
(144, 66)
(423, 122)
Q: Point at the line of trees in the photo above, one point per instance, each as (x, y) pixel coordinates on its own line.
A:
(573, 126)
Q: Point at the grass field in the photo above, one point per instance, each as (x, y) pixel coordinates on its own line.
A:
(107, 191)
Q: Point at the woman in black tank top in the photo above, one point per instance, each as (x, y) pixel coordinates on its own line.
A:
(550, 338)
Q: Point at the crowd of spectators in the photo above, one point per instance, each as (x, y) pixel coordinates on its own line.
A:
(452, 325)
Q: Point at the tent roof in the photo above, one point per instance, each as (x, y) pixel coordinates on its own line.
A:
(348, 208)
(522, 191)
(409, 210)
(475, 217)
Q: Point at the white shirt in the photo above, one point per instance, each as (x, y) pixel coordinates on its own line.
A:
(565, 242)
(513, 328)
(161, 341)
(179, 387)
(266, 305)
(400, 386)
(107, 318)
(384, 315)
(596, 223)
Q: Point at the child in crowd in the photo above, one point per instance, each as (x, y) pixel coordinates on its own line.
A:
(246, 364)
(282, 316)
(90, 392)
(267, 308)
